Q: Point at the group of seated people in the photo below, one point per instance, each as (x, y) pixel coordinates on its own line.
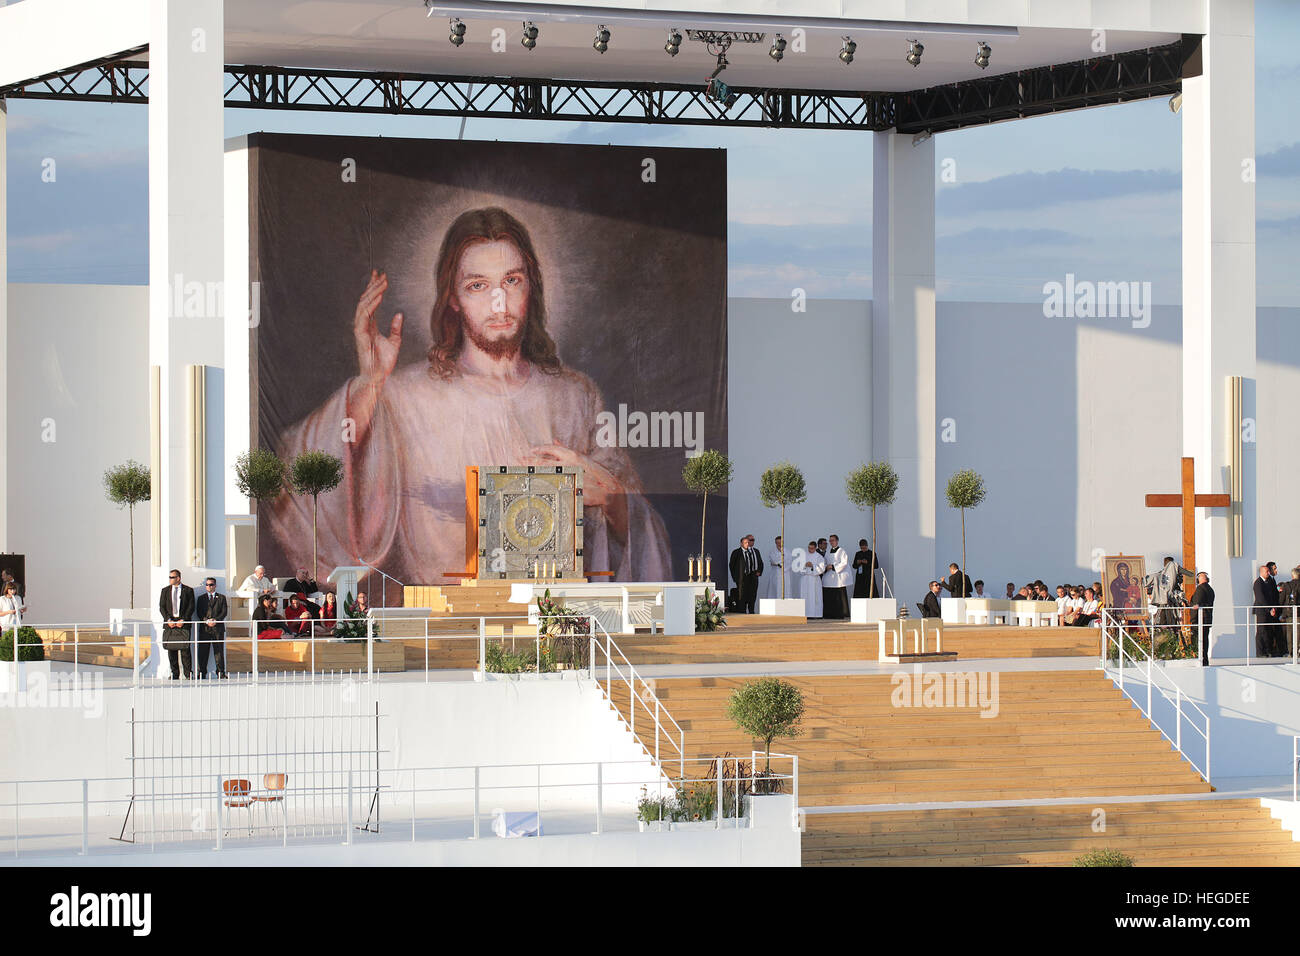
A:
(1078, 605)
(307, 611)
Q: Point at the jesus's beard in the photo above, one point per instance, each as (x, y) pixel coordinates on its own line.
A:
(498, 347)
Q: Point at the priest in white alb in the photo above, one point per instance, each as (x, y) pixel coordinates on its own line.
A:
(769, 585)
(835, 582)
(493, 391)
(809, 570)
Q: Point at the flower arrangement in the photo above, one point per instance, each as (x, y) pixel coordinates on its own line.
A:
(566, 633)
(709, 613)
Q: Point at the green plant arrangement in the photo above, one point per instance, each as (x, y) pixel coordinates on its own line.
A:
(870, 486)
(965, 490)
(30, 646)
(781, 485)
(314, 473)
(658, 808)
(351, 625)
(1103, 857)
(706, 473)
(127, 485)
(710, 615)
(567, 635)
(766, 709)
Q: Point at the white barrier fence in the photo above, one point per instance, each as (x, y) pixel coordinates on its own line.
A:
(229, 809)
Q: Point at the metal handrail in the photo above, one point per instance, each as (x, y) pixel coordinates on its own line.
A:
(1151, 683)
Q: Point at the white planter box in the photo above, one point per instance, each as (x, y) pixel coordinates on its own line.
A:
(14, 681)
(695, 825)
(870, 610)
(772, 811)
(952, 610)
(782, 607)
(654, 826)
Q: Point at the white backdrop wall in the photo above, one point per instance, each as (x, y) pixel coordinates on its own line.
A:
(76, 356)
(799, 390)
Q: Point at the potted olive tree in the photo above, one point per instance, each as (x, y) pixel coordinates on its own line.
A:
(766, 709)
(870, 486)
(705, 474)
(127, 485)
(314, 473)
(781, 485)
(965, 490)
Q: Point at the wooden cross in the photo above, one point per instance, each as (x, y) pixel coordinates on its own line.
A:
(1189, 501)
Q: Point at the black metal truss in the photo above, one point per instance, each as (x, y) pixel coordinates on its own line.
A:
(1114, 78)
(1117, 78)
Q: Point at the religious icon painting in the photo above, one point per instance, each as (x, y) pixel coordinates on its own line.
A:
(1121, 582)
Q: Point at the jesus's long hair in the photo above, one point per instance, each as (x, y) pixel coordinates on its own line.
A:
(491, 224)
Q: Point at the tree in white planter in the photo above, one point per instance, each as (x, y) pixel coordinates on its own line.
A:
(779, 486)
(766, 709)
(705, 474)
(260, 474)
(127, 485)
(314, 473)
(869, 486)
(965, 490)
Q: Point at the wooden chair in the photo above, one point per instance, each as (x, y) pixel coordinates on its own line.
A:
(238, 796)
(274, 786)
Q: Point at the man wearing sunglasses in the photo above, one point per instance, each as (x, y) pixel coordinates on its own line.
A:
(176, 605)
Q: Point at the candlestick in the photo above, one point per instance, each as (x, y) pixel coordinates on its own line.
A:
(690, 567)
(537, 573)
(708, 568)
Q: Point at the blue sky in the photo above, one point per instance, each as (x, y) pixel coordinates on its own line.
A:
(1095, 192)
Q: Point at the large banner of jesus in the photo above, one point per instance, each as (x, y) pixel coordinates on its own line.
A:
(427, 305)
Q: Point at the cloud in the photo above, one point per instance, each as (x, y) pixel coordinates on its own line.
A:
(1029, 190)
(1004, 241)
(1283, 161)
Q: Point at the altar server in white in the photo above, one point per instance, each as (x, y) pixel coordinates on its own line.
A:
(769, 585)
(835, 582)
(809, 571)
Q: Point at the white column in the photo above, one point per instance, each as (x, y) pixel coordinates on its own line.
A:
(903, 350)
(186, 238)
(1218, 116)
(5, 544)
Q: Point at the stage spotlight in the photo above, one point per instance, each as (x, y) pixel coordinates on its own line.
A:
(914, 50)
(921, 137)
(530, 36)
(778, 48)
(982, 55)
(457, 36)
(674, 44)
(847, 51)
(1175, 102)
(720, 93)
(601, 43)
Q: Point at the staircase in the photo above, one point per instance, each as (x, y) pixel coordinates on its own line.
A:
(1055, 734)
(1162, 833)
(751, 642)
(93, 647)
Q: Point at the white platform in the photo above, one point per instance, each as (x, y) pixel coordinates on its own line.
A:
(622, 607)
(870, 610)
(783, 607)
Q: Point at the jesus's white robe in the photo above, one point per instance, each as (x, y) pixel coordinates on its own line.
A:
(401, 506)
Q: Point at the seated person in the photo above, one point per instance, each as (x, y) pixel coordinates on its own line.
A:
(360, 607)
(329, 615)
(301, 584)
(268, 625)
(258, 583)
(1062, 602)
(930, 607)
(1074, 605)
(979, 590)
(298, 615)
(1090, 611)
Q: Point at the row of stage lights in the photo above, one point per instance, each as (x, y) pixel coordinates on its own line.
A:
(915, 48)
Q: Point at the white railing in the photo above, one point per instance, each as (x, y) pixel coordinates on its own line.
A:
(618, 668)
(408, 803)
(1295, 769)
(1227, 619)
(1118, 633)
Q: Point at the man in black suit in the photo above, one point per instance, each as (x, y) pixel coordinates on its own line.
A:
(176, 605)
(746, 565)
(958, 583)
(1203, 613)
(930, 607)
(301, 584)
(1266, 613)
(212, 609)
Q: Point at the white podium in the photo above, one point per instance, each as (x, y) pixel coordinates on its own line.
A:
(870, 610)
(346, 581)
(952, 610)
